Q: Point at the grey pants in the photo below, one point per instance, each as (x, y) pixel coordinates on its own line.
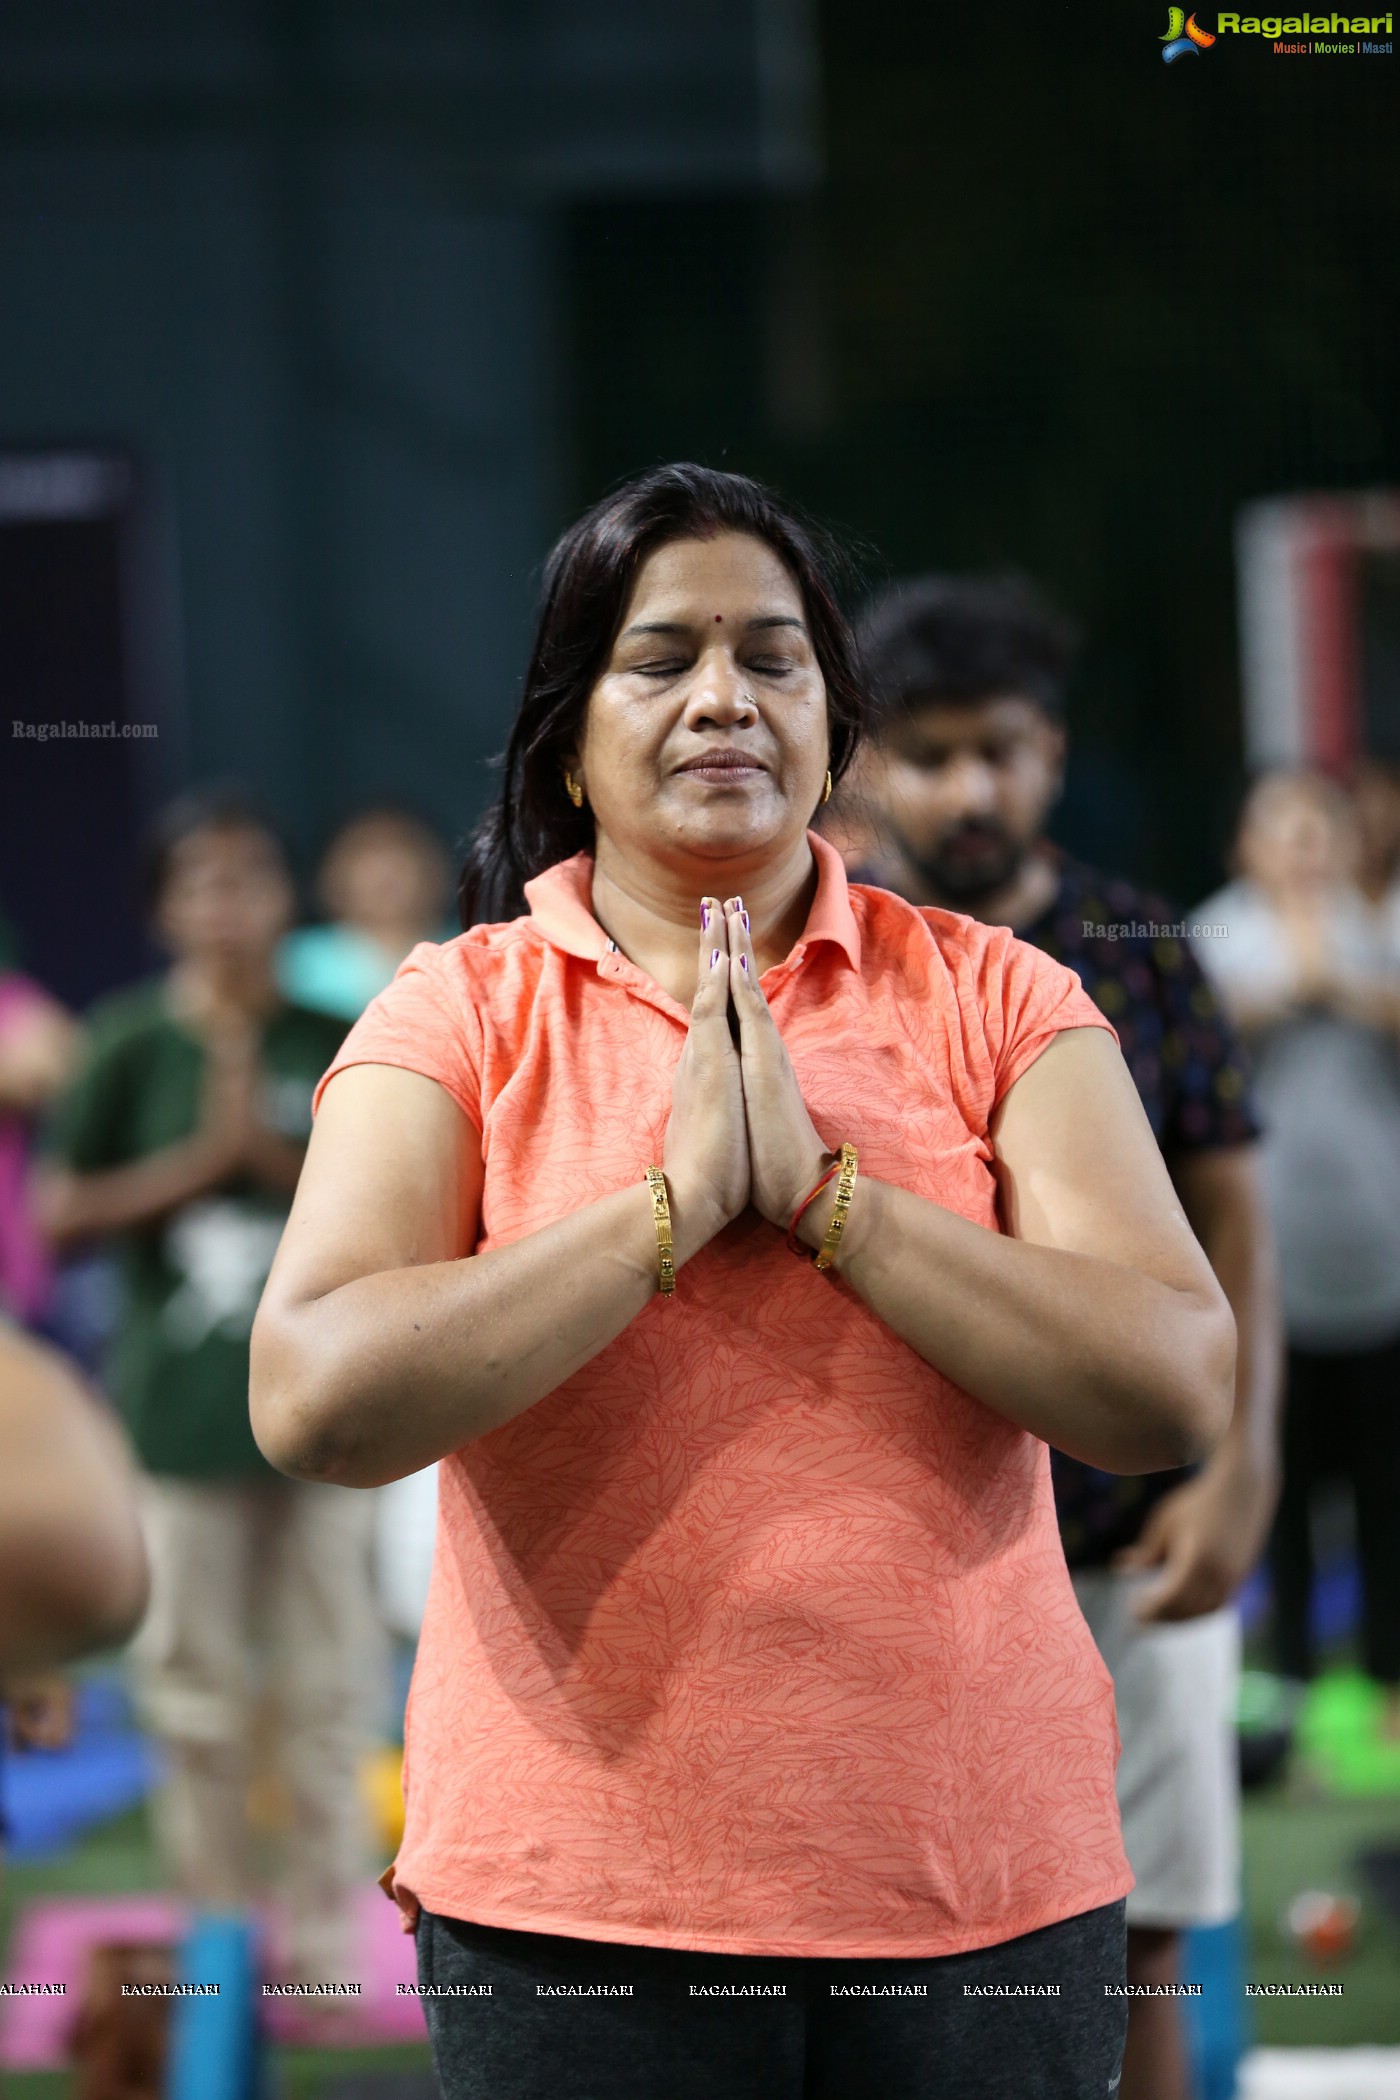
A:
(942, 2033)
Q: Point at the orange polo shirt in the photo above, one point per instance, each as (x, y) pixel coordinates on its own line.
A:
(756, 1634)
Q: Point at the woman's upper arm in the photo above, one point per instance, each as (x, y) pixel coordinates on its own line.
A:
(1079, 1169)
(392, 1180)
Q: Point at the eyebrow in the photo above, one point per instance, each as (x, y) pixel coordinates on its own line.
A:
(762, 620)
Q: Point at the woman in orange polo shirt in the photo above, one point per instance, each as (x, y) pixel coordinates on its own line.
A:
(756, 1743)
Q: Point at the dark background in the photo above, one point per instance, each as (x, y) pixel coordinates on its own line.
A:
(373, 298)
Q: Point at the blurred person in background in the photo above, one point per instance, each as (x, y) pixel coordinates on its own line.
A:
(39, 1045)
(385, 883)
(1309, 972)
(182, 1138)
(959, 784)
(73, 1575)
(1375, 801)
(751, 1666)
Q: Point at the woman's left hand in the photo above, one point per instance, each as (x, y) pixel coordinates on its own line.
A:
(785, 1153)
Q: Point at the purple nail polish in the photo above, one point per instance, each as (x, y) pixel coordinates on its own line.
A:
(744, 964)
(714, 957)
(705, 918)
(745, 917)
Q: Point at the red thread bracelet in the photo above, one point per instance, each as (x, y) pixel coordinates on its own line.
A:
(794, 1244)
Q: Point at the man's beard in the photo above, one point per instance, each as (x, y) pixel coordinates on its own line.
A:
(970, 863)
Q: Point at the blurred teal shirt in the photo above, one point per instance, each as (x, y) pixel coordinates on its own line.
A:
(332, 970)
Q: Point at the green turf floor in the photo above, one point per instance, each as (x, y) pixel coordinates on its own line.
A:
(1295, 1838)
(1338, 1797)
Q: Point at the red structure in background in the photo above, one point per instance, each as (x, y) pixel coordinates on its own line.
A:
(1319, 583)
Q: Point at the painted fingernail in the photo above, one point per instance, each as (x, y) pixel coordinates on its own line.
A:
(705, 917)
(714, 958)
(745, 917)
(744, 964)
(738, 904)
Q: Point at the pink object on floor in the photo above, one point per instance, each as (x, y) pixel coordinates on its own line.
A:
(50, 1944)
(53, 1937)
(386, 1958)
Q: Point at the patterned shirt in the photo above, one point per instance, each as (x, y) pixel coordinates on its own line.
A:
(1129, 950)
(755, 1635)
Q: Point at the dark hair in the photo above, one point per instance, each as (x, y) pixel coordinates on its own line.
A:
(587, 582)
(963, 639)
(223, 806)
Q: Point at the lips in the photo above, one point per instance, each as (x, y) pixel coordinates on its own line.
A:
(718, 762)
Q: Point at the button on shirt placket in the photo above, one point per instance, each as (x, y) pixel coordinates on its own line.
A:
(615, 966)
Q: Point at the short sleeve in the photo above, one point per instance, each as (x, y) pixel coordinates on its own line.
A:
(427, 1021)
(1027, 999)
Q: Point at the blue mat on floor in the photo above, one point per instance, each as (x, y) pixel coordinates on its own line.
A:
(49, 1797)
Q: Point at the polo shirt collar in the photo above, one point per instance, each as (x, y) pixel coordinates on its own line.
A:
(561, 906)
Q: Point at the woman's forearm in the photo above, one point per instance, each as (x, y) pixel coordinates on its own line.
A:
(384, 1374)
(1104, 1362)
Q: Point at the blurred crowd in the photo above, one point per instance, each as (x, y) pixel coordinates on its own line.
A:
(165, 1131)
(1304, 943)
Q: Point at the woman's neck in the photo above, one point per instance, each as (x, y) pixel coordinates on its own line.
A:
(652, 910)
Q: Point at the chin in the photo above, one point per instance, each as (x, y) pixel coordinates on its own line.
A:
(734, 829)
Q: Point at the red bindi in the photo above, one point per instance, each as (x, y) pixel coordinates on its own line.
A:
(718, 618)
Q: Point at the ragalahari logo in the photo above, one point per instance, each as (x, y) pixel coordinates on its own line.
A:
(1183, 35)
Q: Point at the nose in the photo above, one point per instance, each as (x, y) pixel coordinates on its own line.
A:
(971, 785)
(719, 692)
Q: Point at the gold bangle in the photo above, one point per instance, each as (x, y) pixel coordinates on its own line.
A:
(845, 1182)
(661, 1218)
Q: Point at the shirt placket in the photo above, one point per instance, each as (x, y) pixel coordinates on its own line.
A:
(615, 968)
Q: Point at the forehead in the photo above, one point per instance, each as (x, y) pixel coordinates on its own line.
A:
(946, 723)
(734, 574)
(1284, 801)
(225, 848)
(383, 835)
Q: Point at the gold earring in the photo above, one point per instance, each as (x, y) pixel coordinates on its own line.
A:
(574, 790)
(826, 791)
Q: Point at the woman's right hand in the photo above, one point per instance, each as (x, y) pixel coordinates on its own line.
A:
(706, 1155)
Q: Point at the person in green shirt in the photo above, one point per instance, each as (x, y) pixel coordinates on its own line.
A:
(181, 1139)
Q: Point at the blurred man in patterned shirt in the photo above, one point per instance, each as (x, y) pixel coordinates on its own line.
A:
(969, 764)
